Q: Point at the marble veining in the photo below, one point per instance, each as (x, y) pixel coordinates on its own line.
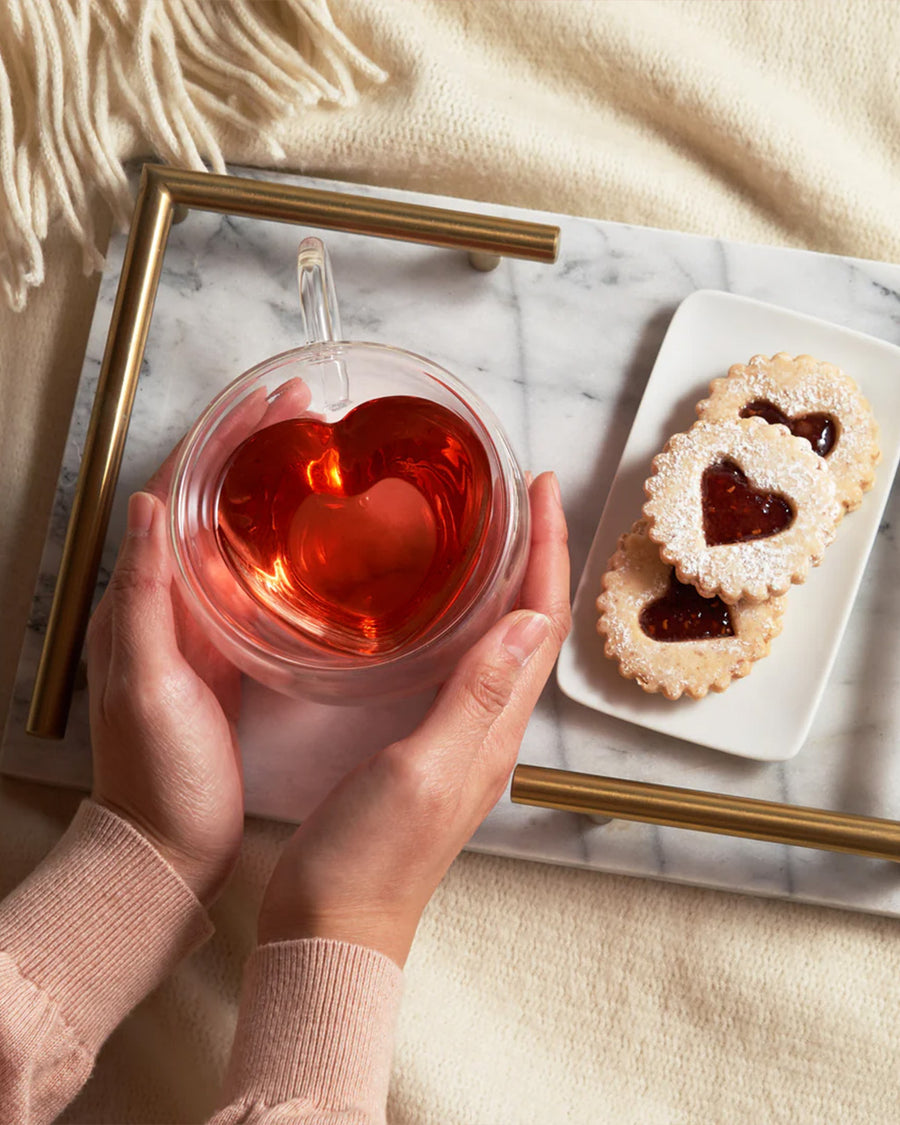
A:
(562, 354)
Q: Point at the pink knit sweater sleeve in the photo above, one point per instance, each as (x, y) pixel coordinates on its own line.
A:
(100, 923)
(91, 931)
(314, 1036)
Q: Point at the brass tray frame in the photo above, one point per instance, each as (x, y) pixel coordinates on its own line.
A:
(166, 195)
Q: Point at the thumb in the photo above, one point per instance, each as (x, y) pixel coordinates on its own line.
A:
(142, 619)
(492, 690)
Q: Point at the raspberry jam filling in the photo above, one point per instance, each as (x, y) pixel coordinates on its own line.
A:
(681, 614)
(820, 430)
(735, 512)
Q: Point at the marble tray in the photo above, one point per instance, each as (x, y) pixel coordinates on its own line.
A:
(562, 353)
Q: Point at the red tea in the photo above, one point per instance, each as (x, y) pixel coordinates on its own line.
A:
(360, 533)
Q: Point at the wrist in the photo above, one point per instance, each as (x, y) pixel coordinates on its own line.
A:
(100, 922)
(205, 874)
(387, 932)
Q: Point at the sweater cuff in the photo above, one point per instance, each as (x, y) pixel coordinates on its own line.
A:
(100, 922)
(316, 1023)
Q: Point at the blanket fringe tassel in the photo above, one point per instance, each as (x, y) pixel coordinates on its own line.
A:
(80, 79)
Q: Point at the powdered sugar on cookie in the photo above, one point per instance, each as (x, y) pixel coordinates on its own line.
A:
(738, 509)
(773, 462)
(799, 387)
(637, 580)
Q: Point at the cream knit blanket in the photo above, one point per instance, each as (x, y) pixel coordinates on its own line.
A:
(535, 994)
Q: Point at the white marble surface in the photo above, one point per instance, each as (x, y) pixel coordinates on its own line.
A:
(562, 354)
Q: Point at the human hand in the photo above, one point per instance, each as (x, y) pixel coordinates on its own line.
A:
(163, 708)
(163, 701)
(363, 865)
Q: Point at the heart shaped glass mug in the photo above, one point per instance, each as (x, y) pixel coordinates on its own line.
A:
(347, 518)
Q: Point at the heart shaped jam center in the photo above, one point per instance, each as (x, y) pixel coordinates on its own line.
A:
(360, 533)
(682, 614)
(734, 511)
(820, 430)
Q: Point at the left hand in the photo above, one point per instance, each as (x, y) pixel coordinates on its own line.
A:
(163, 701)
(163, 709)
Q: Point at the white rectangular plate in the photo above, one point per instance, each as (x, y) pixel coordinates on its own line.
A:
(767, 715)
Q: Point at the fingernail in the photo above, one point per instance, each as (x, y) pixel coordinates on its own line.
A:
(557, 492)
(141, 510)
(525, 636)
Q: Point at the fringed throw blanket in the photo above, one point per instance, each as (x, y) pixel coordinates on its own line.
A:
(78, 76)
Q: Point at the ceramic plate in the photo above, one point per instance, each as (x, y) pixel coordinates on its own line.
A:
(767, 714)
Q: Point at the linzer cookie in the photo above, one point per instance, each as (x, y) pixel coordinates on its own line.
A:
(666, 636)
(740, 508)
(816, 401)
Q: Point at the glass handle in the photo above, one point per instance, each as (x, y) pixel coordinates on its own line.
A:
(321, 319)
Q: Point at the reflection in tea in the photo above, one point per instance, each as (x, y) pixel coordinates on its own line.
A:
(360, 533)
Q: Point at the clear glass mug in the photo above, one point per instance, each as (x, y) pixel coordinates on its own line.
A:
(326, 379)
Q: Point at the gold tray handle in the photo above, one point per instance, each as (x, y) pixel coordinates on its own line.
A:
(706, 812)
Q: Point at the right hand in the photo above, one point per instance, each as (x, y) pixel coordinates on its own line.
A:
(364, 864)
